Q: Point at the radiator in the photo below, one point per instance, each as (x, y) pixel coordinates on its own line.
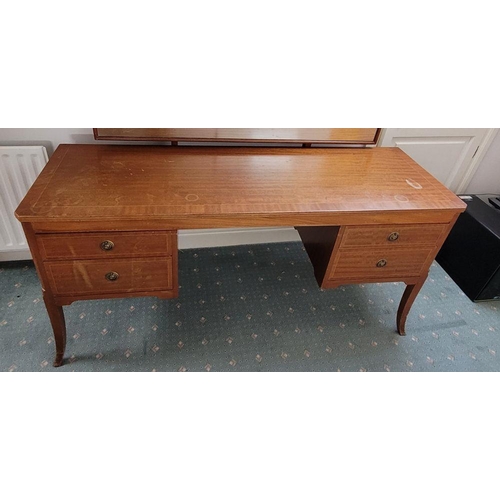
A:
(19, 167)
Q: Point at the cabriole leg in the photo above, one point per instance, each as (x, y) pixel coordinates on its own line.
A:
(409, 296)
(58, 323)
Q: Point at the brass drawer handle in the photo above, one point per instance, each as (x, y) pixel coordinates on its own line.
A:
(393, 236)
(381, 263)
(112, 276)
(107, 245)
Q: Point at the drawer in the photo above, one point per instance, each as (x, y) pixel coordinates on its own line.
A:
(95, 276)
(362, 263)
(392, 235)
(106, 245)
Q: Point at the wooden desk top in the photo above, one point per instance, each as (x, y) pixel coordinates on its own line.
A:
(196, 187)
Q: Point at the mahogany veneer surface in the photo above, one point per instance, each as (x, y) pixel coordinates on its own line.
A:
(88, 245)
(197, 187)
(408, 235)
(89, 276)
(362, 263)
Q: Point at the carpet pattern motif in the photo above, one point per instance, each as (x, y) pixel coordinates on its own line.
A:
(252, 308)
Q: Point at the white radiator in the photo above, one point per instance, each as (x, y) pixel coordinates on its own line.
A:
(19, 167)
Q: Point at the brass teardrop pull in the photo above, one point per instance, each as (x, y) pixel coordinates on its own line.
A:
(112, 276)
(381, 263)
(393, 236)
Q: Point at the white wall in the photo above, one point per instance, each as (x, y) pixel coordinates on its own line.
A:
(48, 137)
(487, 177)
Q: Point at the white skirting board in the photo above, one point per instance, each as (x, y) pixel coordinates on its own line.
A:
(230, 237)
(6, 256)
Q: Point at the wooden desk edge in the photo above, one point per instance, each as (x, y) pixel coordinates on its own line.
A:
(41, 225)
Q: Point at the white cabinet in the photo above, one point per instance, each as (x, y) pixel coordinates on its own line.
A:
(449, 154)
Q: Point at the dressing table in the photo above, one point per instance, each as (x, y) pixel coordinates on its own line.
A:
(101, 220)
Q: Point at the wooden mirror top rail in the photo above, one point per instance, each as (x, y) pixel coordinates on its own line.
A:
(321, 136)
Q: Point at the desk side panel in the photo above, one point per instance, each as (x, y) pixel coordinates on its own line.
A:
(319, 242)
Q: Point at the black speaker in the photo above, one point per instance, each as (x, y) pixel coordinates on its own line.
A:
(471, 253)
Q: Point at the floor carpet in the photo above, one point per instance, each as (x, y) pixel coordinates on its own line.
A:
(252, 308)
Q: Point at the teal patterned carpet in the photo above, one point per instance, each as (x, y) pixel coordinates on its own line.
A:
(252, 308)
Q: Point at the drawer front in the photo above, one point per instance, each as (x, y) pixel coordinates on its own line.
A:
(392, 235)
(110, 276)
(106, 245)
(392, 263)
